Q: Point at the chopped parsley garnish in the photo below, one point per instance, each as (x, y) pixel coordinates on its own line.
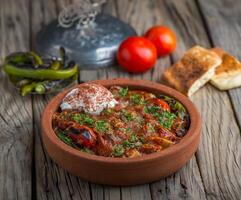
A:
(132, 142)
(133, 138)
(137, 99)
(123, 92)
(101, 125)
(129, 130)
(89, 121)
(83, 119)
(79, 117)
(128, 144)
(152, 109)
(150, 127)
(118, 150)
(166, 119)
(128, 116)
(142, 139)
(64, 137)
(176, 106)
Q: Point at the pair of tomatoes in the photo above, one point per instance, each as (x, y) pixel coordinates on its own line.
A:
(138, 54)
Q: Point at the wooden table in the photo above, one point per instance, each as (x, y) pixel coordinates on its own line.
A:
(214, 172)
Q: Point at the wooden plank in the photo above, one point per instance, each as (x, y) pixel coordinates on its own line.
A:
(141, 16)
(52, 182)
(223, 26)
(214, 106)
(187, 183)
(16, 129)
(219, 141)
(223, 23)
(141, 192)
(101, 192)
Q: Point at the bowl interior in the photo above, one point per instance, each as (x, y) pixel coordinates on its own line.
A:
(192, 133)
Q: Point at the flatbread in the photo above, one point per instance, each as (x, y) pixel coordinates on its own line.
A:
(196, 68)
(228, 74)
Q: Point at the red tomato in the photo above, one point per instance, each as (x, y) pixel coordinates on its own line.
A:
(137, 54)
(161, 103)
(82, 135)
(163, 38)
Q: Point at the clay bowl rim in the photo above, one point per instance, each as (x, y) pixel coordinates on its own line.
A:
(193, 131)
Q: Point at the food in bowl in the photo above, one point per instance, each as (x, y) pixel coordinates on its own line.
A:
(122, 171)
(119, 122)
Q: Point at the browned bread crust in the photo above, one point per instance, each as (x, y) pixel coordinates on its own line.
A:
(228, 73)
(197, 64)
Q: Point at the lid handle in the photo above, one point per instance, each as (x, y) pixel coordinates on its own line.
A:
(82, 13)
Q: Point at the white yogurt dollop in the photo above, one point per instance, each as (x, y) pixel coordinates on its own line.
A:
(91, 98)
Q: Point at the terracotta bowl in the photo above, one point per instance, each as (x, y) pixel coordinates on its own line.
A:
(123, 171)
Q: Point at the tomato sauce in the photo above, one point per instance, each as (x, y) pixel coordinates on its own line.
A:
(140, 123)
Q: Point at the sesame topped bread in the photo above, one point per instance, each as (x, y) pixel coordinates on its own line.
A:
(228, 74)
(195, 68)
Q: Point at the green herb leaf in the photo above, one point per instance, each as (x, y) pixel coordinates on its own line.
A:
(88, 120)
(128, 116)
(128, 144)
(142, 139)
(101, 126)
(152, 109)
(166, 119)
(146, 109)
(83, 118)
(118, 150)
(79, 118)
(136, 98)
(133, 138)
(128, 130)
(123, 92)
(64, 137)
(150, 127)
(132, 142)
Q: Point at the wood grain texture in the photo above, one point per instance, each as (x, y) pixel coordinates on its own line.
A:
(187, 183)
(220, 143)
(222, 175)
(15, 111)
(213, 173)
(222, 18)
(141, 16)
(51, 181)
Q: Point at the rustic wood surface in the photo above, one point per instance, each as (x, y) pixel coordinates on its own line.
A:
(26, 171)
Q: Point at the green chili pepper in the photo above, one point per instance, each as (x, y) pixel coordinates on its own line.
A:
(29, 72)
(23, 58)
(40, 74)
(37, 59)
(62, 55)
(45, 86)
(26, 89)
(40, 88)
(55, 65)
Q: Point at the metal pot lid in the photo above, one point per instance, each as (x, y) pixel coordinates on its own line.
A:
(92, 46)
